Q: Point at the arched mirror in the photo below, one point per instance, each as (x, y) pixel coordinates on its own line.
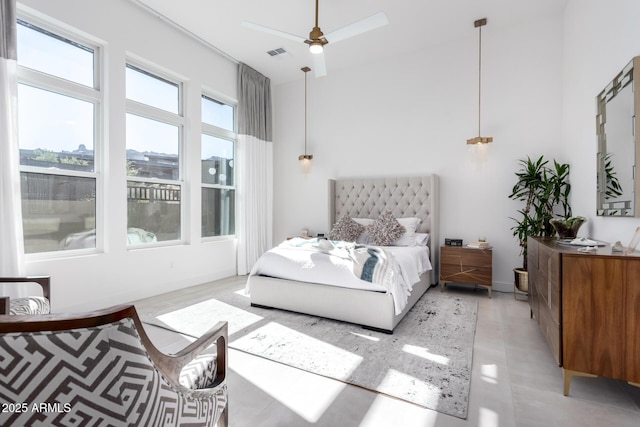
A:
(617, 145)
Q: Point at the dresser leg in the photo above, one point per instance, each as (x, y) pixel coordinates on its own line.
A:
(633, 384)
(442, 285)
(568, 374)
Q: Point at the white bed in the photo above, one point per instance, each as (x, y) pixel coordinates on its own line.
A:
(361, 198)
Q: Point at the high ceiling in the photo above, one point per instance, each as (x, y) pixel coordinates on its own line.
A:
(413, 25)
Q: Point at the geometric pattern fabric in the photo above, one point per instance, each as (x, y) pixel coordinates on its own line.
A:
(98, 376)
(29, 305)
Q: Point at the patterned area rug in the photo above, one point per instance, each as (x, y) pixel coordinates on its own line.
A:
(426, 361)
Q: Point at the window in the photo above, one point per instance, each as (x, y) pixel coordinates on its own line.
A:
(218, 168)
(152, 90)
(59, 101)
(154, 134)
(217, 114)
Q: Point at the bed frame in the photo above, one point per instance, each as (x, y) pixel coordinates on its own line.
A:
(361, 198)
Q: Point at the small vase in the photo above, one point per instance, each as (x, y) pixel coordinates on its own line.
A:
(566, 231)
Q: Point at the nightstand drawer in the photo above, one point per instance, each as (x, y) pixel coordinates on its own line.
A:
(466, 256)
(466, 274)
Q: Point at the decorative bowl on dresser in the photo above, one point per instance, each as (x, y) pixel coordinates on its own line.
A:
(587, 306)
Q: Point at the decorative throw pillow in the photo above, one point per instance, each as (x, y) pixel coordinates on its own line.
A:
(386, 229)
(346, 229)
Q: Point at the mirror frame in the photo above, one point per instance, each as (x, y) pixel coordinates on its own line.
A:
(629, 76)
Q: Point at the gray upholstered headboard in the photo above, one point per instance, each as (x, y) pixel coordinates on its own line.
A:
(404, 196)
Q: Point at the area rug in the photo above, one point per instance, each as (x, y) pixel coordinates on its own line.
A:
(426, 361)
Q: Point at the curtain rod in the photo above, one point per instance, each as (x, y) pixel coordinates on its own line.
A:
(184, 30)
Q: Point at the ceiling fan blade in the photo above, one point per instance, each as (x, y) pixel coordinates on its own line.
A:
(367, 24)
(271, 31)
(319, 66)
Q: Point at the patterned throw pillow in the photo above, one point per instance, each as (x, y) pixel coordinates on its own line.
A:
(386, 229)
(346, 229)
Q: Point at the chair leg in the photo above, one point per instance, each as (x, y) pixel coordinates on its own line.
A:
(223, 421)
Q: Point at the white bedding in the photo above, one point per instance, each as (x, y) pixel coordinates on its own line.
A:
(300, 260)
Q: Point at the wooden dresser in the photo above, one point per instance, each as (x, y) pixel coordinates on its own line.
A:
(588, 308)
(461, 264)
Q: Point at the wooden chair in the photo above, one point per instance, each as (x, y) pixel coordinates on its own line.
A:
(100, 368)
(31, 304)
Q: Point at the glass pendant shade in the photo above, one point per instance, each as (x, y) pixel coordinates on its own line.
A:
(316, 48)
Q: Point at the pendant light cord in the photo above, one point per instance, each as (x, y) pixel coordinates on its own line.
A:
(479, 76)
(305, 113)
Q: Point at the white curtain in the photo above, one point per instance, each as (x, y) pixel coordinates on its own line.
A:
(255, 155)
(11, 243)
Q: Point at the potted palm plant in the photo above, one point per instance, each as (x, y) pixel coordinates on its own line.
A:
(544, 190)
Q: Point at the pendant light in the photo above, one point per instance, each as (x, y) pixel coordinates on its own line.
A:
(480, 139)
(305, 159)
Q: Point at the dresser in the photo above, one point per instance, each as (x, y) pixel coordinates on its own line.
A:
(588, 308)
(462, 264)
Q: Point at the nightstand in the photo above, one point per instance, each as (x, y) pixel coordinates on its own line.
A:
(461, 264)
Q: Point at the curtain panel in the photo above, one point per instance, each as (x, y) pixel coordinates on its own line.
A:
(11, 243)
(255, 154)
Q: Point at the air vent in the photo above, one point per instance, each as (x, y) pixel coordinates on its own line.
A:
(277, 52)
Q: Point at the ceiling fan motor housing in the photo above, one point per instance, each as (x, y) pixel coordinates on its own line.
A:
(316, 35)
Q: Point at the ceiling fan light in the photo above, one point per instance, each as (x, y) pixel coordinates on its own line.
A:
(315, 47)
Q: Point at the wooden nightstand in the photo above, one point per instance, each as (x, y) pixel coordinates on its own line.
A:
(461, 264)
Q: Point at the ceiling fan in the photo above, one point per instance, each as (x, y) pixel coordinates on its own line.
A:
(317, 39)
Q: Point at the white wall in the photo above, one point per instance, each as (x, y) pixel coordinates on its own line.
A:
(413, 116)
(600, 38)
(119, 275)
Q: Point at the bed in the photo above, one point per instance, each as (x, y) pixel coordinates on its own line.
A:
(364, 198)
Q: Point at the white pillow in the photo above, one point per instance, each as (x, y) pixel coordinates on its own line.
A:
(364, 221)
(409, 237)
(364, 238)
(422, 239)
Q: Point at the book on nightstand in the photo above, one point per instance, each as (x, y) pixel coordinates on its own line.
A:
(479, 245)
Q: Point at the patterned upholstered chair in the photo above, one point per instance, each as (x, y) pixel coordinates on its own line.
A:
(100, 368)
(30, 304)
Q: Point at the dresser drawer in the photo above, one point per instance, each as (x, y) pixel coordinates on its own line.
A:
(551, 331)
(549, 263)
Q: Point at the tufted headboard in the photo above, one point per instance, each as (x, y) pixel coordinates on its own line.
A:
(403, 196)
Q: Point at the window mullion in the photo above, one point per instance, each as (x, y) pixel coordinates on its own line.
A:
(58, 85)
(143, 110)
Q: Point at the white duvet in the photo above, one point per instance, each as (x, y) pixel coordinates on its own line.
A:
(300, 260)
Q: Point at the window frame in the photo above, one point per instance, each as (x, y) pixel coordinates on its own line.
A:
(230, 135)
(94, 95)
(175, 119)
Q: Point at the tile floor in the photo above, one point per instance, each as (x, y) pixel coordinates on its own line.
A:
(515, 381)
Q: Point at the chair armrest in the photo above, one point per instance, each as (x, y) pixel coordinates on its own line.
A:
(218, 334)
(171, 365)
(43, 281)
